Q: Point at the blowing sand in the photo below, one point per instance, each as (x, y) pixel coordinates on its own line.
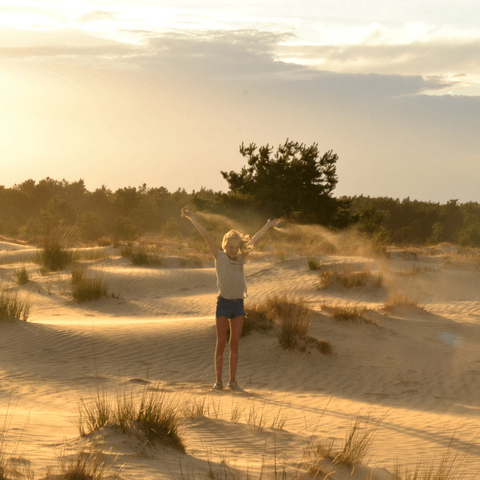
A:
(415, 368)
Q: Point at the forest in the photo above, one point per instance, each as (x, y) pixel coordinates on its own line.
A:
(295, 182)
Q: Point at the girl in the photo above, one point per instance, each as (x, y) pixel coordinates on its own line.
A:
(229, 266)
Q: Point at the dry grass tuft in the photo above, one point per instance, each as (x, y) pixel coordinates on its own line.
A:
(398, 299)
(86, 289)
(314, 263)
(449, 466)
(141, 255)
(290, 317)
(347, 313)
(53, 255)
(151, 413)
(81, 465)
(356, 445)
(21, 276)
(348, 278)
(12, 307)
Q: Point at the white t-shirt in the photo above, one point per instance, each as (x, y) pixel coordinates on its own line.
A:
(230, 276)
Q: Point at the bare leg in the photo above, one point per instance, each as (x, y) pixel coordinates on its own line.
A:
(236, 325)
(222, 326)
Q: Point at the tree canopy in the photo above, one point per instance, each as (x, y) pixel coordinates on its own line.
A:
(295, 181)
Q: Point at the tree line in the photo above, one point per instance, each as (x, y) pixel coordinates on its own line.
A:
(295, 181)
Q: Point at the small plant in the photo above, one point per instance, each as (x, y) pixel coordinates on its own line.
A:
(257, 318)
(256, 416)
(53, 256)
(357, 443)
(81, 465)
(291, 318)
(151, 413)
(12, 307)
(85, 289)
(400, 300)
(450, 465)
(139, 255)
(314, 263)
(347, 312)
(21, 276)
(349, 278)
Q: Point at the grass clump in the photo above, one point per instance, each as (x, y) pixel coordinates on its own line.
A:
(12, 307)
(151, 413)
(21, 276)
(290, 317)
(356, 445)
(83, 465)
(314, 263)
(349, 278)
(400, 300)
(85, 289)
(53, 255)
(448, 466)
(347, 313)
(140, 255)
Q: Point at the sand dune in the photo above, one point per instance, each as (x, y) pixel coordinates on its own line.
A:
(417, 368)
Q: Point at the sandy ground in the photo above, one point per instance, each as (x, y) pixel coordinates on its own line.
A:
(415, 369)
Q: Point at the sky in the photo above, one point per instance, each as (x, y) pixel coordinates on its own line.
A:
(122, 93)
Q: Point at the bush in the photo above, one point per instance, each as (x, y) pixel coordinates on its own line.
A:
(12, 307)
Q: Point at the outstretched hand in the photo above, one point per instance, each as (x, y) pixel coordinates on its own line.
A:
(274, 223)
(186, 212)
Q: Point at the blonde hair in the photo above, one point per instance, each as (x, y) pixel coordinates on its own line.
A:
(241, 237)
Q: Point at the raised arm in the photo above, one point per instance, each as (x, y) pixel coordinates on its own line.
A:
(188, 214)
(263, 231)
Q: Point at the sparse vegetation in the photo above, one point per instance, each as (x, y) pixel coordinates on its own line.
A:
(347, 312)
(314, 263)
(448, 466)
(84, 288)
(83, 465)
(140, 255)
(347, 277)
(398, 299)
(151, 413)
(53, 256)
(21, 276)
(355, 448)
(12, 306)
(290, 317)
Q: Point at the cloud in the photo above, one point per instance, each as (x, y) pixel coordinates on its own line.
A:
(424, 58)
(52, 51)
(97, 15)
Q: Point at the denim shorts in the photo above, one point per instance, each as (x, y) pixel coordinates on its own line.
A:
(229, 308)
